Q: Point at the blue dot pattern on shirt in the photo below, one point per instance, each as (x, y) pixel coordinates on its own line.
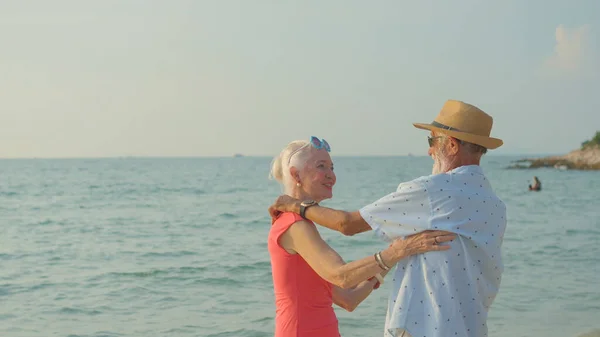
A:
(444, 293)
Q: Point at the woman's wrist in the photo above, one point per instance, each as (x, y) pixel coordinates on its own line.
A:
(386, 258)
(375, 283)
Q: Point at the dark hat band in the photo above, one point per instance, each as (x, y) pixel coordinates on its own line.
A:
(445, 127)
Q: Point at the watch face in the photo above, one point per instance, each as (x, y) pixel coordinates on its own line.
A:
(308, 203)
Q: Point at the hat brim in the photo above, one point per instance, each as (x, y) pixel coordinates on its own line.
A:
(487, 142)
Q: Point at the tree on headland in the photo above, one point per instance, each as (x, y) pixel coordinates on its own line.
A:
(592, 142)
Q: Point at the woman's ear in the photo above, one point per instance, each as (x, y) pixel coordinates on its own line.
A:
(295, 174)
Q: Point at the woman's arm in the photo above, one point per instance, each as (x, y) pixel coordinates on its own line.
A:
(304, 238)
(349, 299)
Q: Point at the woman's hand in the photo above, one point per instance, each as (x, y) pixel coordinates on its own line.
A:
(421, 243)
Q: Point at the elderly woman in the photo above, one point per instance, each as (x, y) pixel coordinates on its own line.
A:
(308, 275)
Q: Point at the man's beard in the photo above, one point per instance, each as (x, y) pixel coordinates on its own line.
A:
(439, 162)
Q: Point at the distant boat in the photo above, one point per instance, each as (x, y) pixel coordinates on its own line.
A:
(238, 155)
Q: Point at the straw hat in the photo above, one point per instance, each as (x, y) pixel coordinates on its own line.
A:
(465, 122)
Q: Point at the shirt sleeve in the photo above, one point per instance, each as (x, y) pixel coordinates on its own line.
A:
(404, 212)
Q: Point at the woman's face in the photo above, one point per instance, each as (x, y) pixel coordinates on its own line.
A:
(317, 177)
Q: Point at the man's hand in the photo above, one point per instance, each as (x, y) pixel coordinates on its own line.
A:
(284, 203)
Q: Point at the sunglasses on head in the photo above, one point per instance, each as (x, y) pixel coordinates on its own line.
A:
(319, 144)
(316, 143)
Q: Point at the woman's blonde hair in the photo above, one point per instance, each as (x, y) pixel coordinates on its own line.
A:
(295, 154)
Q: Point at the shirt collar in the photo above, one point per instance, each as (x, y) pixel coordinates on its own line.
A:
(467, 169)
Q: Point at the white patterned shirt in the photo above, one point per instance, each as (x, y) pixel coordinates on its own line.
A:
(446, 293)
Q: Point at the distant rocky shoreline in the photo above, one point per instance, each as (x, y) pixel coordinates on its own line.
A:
(587, 158)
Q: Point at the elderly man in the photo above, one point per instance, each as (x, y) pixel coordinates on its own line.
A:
(438, 294)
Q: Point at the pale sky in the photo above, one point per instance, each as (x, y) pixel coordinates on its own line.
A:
(214, 78)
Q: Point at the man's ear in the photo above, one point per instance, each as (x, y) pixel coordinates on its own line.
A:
(453, 146)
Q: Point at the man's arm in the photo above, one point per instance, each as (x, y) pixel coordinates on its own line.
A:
(347, 223)
(404, 212)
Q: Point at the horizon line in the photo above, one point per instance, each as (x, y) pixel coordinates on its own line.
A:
(251, 156)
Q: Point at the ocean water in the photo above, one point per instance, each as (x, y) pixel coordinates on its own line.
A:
(177, 247)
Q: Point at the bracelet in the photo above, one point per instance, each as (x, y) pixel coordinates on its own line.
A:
(377, 284)
(380, 261)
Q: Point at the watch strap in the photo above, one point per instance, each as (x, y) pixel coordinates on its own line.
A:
(303, 211)
(304, 206)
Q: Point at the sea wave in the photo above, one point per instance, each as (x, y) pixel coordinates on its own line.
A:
(240, 333)
(219, 281)
(157, 272)
(170, 254)
(8, 193)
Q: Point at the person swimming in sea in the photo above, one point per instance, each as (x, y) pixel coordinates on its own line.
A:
(537, 184)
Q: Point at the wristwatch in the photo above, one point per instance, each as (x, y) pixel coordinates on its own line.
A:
(306, 204)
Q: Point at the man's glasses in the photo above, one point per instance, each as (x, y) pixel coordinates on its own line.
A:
(431, 140)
